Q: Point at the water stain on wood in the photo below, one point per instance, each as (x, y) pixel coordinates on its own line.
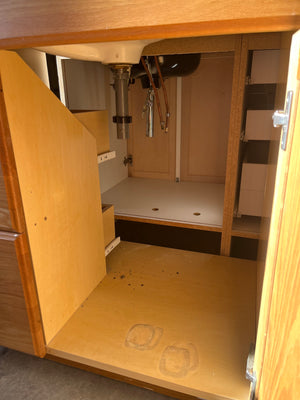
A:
(143, 337)
(178, 360)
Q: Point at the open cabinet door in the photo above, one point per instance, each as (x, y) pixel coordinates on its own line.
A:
(277, 357)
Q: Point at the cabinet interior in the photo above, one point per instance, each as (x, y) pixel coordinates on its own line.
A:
(171, 318)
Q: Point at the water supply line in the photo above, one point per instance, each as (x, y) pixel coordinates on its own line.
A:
(145, 65)
(165, 94)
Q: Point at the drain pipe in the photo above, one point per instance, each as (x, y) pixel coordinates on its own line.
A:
(121, 74)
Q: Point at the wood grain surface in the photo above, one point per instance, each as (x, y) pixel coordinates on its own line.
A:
(97, 123)
(168, 317)
(56, 161)
(32, 23)
(278, 348)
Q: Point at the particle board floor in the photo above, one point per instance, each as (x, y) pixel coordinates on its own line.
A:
(163, 200)
(173, 318)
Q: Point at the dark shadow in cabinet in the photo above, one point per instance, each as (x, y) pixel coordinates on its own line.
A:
(169, 236)
(244, 248)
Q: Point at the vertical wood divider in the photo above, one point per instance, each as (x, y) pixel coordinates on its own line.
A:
(236, 116)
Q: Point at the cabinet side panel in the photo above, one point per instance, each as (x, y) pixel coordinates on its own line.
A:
(14, 325)
(56, 161)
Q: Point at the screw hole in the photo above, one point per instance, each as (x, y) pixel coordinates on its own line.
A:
(155, 209)
(197, 214)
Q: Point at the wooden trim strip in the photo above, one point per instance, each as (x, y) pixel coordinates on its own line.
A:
(9, 170)
(121, 378)
(18, 222)
(238, 89)
(201, 28)
(30, 295)
(169, 223)
(245, 234)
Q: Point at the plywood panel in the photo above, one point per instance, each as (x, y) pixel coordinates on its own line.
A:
(14, 324)
(57, 22)
(168, 317)
(97, 123)
(57, 169)
(152, 157)
(277, 348)
(206, 96)
(108, 224)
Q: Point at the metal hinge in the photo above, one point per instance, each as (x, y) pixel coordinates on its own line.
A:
(282, 118)
(128, 160)
(250, 373)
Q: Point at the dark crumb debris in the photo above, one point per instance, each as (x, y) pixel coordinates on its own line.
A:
(162, 270)
(177, 273)
(142, 284)
(122, 276)
(35, 224)
(129, 284)
(45, 218)
(114, 277)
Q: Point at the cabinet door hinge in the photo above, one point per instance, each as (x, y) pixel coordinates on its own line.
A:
(250, 373)
(282, 118)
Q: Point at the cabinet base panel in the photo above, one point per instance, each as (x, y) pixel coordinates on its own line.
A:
(174, 319)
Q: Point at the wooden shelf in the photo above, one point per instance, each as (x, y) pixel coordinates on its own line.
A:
(168, 202)
(177, 319)
(246, 226)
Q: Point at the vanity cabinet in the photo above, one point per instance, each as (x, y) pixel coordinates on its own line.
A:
(174, 321)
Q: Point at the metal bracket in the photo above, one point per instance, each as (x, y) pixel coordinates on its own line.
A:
(128, 160)
(282, 118)
(250, 373)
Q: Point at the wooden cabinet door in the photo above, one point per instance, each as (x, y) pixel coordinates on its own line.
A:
(277, 358)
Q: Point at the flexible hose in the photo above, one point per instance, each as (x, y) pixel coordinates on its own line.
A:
(165, 94)
(162, 124)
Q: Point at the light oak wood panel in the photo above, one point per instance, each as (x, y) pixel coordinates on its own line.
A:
(97, 123)
(199, 308)
(280, 296)
(15, 330)
(152, 157)
(122, 378)
(280, 376)
(237, 98)
(57, 168)
(206, 96)
(54, 22)
(272, 164)
(108, 224)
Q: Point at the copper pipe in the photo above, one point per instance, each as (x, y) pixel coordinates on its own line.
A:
(162, 124)
(165, 94)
